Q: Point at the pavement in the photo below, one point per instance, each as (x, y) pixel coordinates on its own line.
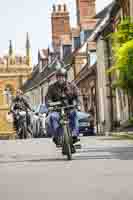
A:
(34, 169)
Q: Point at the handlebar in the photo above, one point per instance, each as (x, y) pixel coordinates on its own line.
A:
(58, 106)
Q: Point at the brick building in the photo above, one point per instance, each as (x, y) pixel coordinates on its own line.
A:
(86, 13)
(60, 25)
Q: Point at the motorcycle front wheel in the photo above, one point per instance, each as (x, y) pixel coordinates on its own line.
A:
(67, 143)
(24, 132)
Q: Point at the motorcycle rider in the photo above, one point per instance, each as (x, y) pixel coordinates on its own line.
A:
(19, 102)
(54, 93)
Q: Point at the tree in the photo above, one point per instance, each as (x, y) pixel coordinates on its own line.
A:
(122, 45)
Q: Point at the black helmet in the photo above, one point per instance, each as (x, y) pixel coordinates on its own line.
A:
(61, 72)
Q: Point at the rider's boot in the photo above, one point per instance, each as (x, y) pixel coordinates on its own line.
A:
(75, 139)
(73, 150)
(57, 141)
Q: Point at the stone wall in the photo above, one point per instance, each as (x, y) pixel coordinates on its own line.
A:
(11, 78)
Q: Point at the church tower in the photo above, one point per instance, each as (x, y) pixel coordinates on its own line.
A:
(14, 71)
(86, 12)
(60, 25)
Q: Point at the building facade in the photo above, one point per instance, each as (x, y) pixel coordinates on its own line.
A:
(14, 71)
(113, 102)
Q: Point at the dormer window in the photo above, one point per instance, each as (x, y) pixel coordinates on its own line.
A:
(8, 95)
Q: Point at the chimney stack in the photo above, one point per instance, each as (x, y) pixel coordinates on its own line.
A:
(60, 25)
(86, 13)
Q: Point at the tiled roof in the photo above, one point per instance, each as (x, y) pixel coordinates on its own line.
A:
(85, 72)
(103, 12)
(111, 9)
(38, 77)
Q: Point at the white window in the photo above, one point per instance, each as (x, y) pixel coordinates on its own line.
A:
(8, 95)
(93, 58)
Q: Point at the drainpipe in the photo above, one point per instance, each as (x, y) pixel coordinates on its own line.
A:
(97, 118)
(110, 83)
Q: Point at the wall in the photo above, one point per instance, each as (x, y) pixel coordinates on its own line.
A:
(131, 8)
(103, 101)
(11, 76)
(79, 63)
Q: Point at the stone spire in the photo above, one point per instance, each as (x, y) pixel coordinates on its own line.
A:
(11, 53)
(28, 50)
(10, 48)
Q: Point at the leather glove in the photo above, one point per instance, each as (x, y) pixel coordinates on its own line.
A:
(78, 107)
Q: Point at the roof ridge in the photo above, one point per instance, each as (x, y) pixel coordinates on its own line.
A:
(105, 9)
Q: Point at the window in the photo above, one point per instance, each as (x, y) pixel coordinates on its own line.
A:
(66, 50)
(76, 42)
(8, 95)
(93, 58)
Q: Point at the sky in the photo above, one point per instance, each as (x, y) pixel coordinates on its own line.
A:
(20, 16)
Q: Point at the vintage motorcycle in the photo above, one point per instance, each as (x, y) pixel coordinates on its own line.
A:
(66, 141)
(21, 120)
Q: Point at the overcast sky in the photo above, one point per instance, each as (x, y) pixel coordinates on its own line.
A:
(20, 16)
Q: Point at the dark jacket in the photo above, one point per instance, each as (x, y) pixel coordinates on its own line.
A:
(20, 103)
(55, 92)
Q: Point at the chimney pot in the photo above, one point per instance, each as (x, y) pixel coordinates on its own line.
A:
(65, 8)
(54, 8)
(59, 7)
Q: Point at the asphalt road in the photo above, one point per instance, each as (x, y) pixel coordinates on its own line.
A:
(34, 170)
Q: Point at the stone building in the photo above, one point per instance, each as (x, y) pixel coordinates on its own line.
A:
(14, 71)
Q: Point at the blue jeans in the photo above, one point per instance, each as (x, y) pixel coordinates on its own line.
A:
(54, 124)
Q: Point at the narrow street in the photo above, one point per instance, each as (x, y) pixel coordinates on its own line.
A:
(34, 169)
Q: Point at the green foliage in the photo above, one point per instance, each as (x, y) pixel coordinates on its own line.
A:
(131, 120)
(122, 42)
(123, 34)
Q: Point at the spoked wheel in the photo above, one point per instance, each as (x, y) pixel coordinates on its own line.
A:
(67, 143)
(20, 133)
(24, 133)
